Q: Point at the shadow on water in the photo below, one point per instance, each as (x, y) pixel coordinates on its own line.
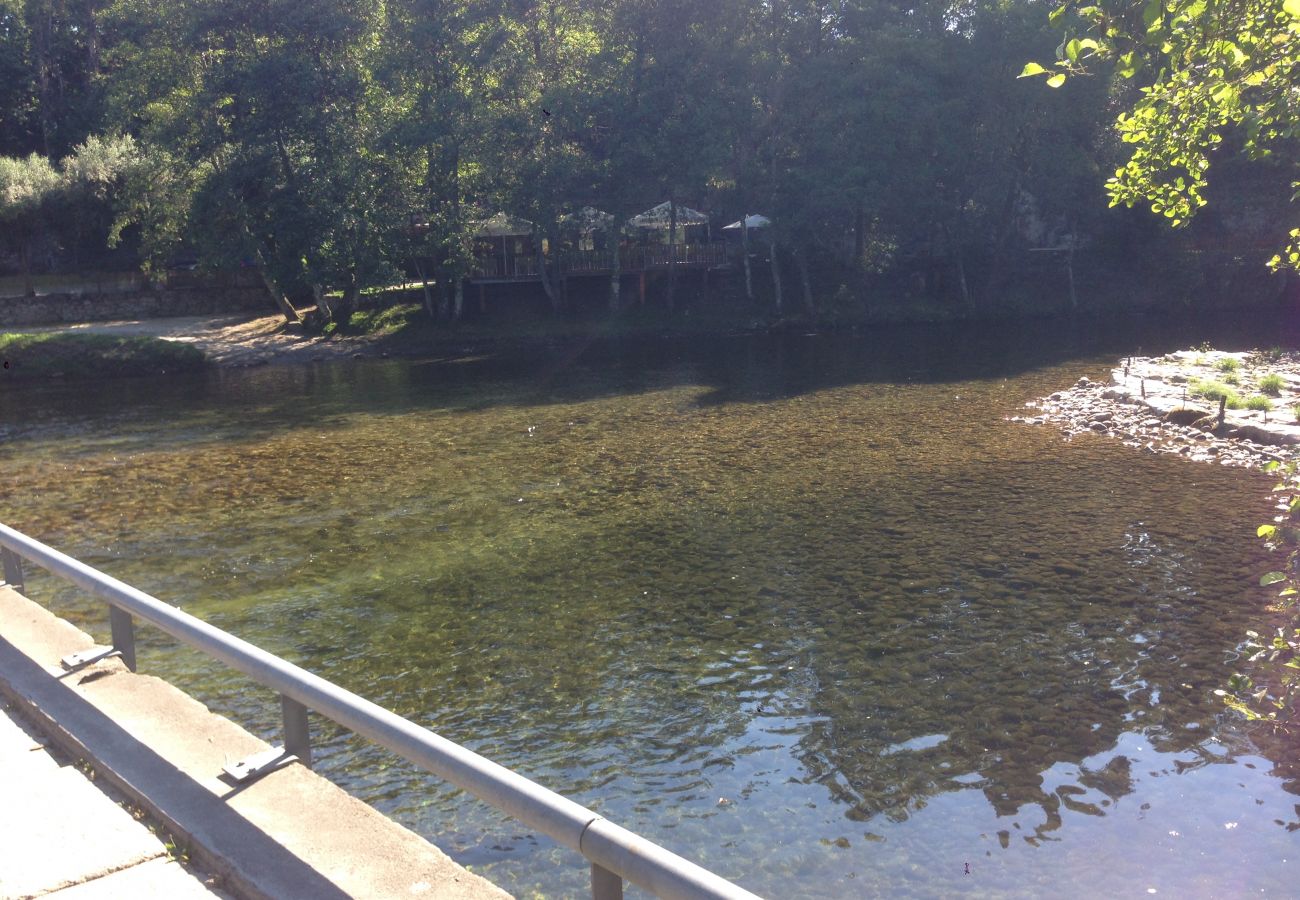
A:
(227, 404)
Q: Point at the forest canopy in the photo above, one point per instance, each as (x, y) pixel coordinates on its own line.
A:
(888, 143)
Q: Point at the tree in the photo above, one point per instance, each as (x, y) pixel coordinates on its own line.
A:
(28, 187)
(1213, 74)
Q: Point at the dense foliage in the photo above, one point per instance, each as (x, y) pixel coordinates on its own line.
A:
(1275, 657)
(891, 144)
(1212, 74)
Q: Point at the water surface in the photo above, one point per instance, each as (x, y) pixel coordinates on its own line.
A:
(807, 610)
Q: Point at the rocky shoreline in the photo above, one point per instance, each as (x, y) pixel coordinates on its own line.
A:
(1171, 404)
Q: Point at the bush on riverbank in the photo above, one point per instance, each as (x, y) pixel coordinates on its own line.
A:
(93, 356)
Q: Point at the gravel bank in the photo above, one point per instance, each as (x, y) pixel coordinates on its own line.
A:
(1159, 405)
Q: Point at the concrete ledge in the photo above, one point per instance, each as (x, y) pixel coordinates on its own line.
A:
(292, 834)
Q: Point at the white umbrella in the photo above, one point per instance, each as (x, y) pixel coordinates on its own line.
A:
(754, 221)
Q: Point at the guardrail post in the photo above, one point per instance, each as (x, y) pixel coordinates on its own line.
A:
(122, 627)
(605, 885)
(297, 734)
(13, 566)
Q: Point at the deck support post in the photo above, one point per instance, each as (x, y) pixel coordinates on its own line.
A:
(122, 629)
(605, 885)
(297, 733)
(13, 569)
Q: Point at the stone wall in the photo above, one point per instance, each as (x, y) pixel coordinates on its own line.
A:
(183, 294)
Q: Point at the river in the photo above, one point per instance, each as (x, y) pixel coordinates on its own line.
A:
(808, 610)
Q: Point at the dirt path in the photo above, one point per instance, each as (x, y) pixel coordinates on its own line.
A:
(232, 340)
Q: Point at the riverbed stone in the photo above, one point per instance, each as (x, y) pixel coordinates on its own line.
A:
(1145, 406)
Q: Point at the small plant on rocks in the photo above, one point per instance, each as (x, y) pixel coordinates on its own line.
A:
(1215, 390)
(1228, 364)
(1271, 384)
(1259, 403)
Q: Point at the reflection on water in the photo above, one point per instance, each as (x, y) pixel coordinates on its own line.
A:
(808, 611)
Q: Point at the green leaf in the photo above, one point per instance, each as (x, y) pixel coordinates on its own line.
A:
(1291, 8)
(1031, 68)
(1271, 578)
(1266, 531)
(1056, 14)
(1152, 13)
(1072, 48)
(1056, 80)
(1129, 65)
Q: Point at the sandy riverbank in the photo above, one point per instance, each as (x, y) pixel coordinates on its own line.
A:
(1159, 404)
(234, 340)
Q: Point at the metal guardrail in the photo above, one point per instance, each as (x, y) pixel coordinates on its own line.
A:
(614, 852)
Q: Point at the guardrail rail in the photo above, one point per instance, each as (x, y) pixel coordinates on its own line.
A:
(614, 852)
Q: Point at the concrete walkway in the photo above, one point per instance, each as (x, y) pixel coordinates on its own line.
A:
(63, 837)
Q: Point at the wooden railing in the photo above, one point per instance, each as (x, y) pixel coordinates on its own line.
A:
(592, 262)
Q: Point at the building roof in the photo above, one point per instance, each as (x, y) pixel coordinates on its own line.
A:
(587, 219)
(661, 217)
(502, 225)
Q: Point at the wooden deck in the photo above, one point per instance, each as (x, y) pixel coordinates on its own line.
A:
(579, 263)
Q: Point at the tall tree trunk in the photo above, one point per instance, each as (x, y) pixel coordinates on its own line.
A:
(286, 308)
(41, 26)
(347, 305)
(961, 276)
(776, 274)
(424, 288)
(615, 276)
(548, 286)
(29, 284)
(672, 254)
(323, 305)
(801, 258)
(1069, 275)
(744, 248)
(859, 234)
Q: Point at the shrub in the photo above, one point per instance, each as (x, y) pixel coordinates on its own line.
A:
(1259, 403)
(1271, 384)
(1231, 378)
(1215, 390)
(1228, 364)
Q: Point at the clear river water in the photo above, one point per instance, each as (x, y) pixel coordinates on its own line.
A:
(807, 610)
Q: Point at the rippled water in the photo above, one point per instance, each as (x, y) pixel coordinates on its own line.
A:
(807, 610)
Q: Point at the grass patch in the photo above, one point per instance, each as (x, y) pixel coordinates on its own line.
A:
(1271, 384)
(1216, 391)
(1232, 379)
(1228, 364)
(57, 354)
(385, 321)
(1259, 403)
